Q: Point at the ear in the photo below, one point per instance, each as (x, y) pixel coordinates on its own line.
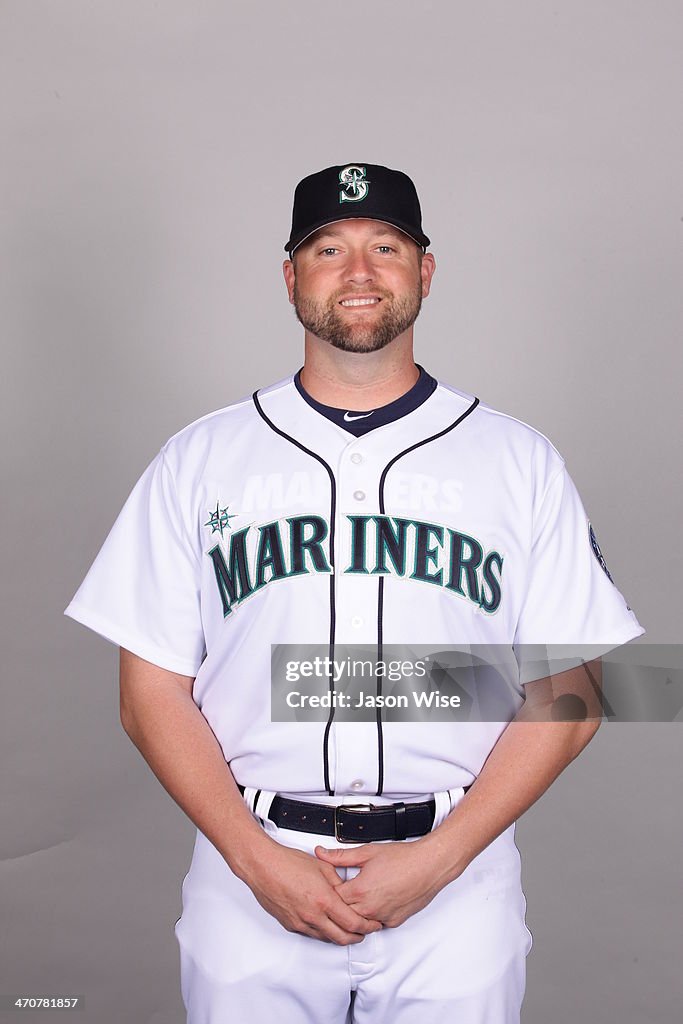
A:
(427, 271)
(288, 271)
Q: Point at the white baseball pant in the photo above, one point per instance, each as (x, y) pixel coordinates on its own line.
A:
(461, 959)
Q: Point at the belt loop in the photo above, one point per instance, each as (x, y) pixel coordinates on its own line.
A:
(442, 809)
(257, 800)
(264, 799)
(249, 795)
(400, 819)
(445, 802)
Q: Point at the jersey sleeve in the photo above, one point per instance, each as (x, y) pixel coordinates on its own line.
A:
(142, 592)
(571, 606)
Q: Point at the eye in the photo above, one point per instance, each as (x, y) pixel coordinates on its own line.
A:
(386, 248)
(328, 250)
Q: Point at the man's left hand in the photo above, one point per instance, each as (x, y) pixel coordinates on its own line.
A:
(393, 884)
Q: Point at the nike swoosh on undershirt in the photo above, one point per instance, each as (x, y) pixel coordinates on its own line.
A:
(362, 416)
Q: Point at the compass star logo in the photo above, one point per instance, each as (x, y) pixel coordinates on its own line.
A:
(355, 184)
(219, 519)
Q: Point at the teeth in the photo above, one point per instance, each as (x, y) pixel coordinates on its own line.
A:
(359, 302)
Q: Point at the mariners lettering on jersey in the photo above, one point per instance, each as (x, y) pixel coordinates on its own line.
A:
(429, 553)
(248, 568)
(407, 549)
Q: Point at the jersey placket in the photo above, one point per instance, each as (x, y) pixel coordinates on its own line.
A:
(356, 595)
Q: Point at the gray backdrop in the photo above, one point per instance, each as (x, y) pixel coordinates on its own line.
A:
(150, 151)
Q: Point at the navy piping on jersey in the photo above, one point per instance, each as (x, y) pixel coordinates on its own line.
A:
(333, 504)
(364, 421)
(380, 594)
(380, 581)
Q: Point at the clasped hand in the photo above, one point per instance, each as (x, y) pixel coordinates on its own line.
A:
(392, 883)
(306, 894)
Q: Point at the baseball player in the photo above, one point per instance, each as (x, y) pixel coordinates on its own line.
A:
(350, 871)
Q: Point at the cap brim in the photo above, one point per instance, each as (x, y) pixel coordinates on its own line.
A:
(420, 238)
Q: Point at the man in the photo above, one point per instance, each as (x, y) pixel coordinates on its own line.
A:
(357, 502)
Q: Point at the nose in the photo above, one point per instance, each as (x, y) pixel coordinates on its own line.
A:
(359, 267)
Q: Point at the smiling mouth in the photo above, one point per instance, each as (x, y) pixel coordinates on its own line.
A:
(360, 302)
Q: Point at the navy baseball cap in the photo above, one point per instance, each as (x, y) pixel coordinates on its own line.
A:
(352, 191)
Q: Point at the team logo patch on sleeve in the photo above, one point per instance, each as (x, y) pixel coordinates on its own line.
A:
(598, 553)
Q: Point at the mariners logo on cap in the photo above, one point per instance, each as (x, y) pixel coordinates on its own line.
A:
(355, 184)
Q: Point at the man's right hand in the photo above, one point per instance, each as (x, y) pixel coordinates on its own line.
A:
(159, 714)
(301, 893)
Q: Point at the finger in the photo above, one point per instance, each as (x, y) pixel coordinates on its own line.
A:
(330, 874)
(355, 936)
(351, 891)
(371, 917)
(368, 905)
(351, 920)
(332, 932)
(328, 929)
(343, 858)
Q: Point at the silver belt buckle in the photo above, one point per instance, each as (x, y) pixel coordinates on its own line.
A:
(349, 807)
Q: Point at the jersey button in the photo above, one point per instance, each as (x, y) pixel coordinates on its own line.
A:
(357, 784)
(356, 457)
(359, 495)
(357, 621)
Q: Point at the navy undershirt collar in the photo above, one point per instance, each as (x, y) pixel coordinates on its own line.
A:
(359, 422)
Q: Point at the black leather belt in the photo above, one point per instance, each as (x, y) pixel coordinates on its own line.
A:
(353, 823)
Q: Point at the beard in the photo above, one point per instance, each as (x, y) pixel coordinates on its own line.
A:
(325, 321)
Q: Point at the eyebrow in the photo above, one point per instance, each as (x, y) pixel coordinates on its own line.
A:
(388, 230)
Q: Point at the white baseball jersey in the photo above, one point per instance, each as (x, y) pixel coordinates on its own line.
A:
(267, 523)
